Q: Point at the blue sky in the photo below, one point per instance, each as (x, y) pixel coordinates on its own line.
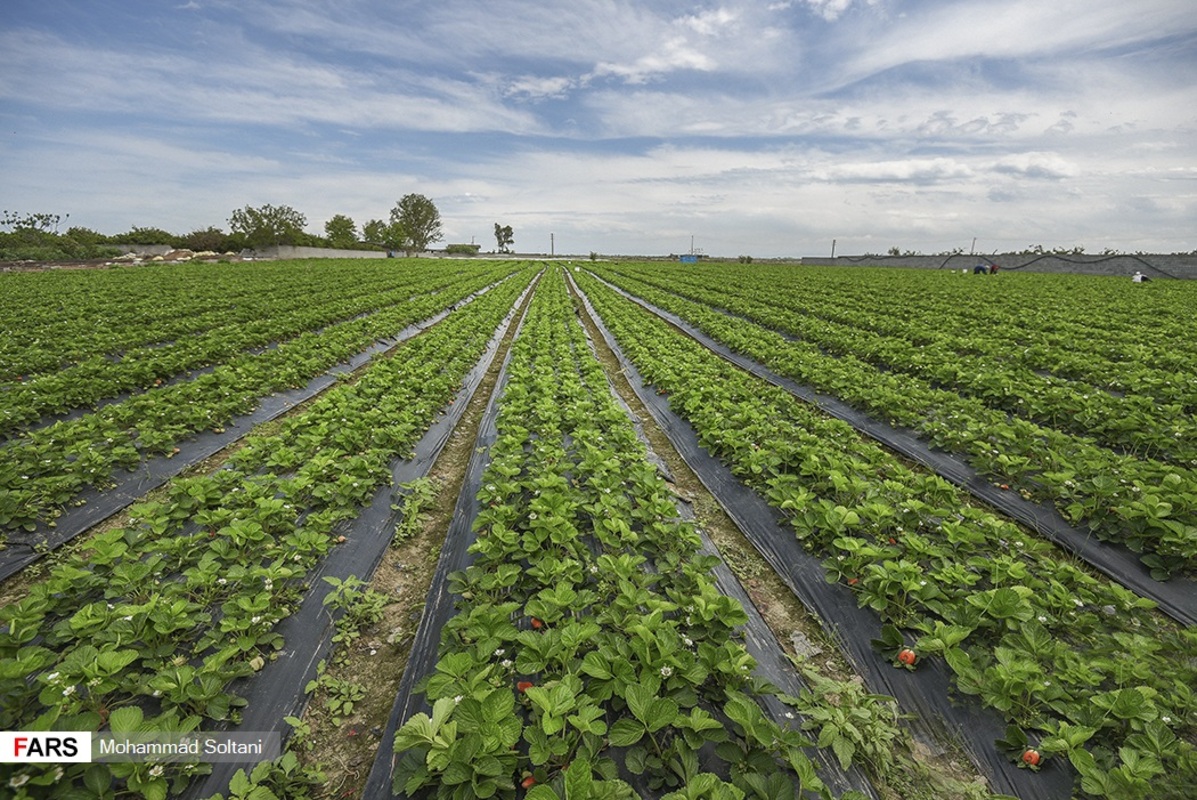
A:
(758, 128)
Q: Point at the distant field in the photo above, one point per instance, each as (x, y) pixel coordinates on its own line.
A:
(586, 642)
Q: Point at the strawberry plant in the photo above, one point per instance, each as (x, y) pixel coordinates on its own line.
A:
(162, 616)
(1147, 504)
(1020, 626)
(43, 469)
(606, 648)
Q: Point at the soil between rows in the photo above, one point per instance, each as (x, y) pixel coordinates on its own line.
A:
(378, 658)
(345, 752)
(933, 770)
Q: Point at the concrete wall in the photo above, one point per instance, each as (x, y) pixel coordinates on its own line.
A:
(1153, 266)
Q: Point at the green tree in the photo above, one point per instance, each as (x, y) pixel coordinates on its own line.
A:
(80, 242)
(42, 223)
(85, 237)
(36, 237)
(268, 225)
(420, 221)
(341, 231)
(211, 239)
(391, 236)
(137, 235)
(504, 236)
(374, 232)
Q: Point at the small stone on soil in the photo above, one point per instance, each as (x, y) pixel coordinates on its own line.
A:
(803, 646)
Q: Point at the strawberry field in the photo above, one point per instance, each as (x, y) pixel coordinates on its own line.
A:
(218, 509)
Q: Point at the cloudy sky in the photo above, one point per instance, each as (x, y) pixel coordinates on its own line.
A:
(759, 128)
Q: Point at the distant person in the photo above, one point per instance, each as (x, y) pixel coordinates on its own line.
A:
(993, 268)
(1139, 277)
(980, 269)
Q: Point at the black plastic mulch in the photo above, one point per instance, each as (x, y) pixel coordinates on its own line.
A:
(277, 691)
(772, 664)
(927, 692)
(439, 608)
(439, 605)
(24, 548)
(1176, 597)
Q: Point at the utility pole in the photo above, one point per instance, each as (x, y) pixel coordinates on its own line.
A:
(973, 249)
(552, 244)
(833, 248)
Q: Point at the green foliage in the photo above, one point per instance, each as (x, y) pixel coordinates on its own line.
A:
(359, 606)
(856, 725)
(341, 232)
(589, 604)
(417, 495)
(504, 237)
(268, 225)
(389, 235)
(282, 779)
(1020, 627)
(212, 239)
(35, 237)
(419, 220)
(137, 235)
(182, 601)
(341, 695)
(39, 222)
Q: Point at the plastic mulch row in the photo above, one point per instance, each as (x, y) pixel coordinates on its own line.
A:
(772, 664)
(277, 690)
(438, 607)
(926, 693)
(1176, 597)
(25, 548)
(187, 375)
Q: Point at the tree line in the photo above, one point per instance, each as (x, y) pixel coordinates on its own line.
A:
(411, 226)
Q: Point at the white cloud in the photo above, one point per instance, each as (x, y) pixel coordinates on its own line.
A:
(1012, 29)
(534, 86)
(772, 132)
(829, 10)
(1036, 165)
(255, 87)
(674, 54)
(912, 170)
(711, 23)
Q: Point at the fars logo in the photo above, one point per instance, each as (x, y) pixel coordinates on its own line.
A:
(45, 747)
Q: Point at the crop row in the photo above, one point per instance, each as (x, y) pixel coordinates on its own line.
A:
(1074, 661)
(1098, 330)
(968, 365)
(1147, 505)
(141, 367)
(47, 468)
(53, 319)
(590, 650)
(146, 626)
